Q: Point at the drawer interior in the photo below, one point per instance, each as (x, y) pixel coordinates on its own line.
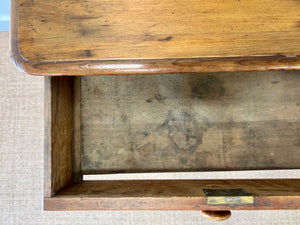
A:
(190, 122)
(169, 123)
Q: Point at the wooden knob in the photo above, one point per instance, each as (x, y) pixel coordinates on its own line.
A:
(216, 215)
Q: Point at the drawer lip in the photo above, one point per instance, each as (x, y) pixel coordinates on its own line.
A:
(162, 195)
(191, 204)
(143, 66)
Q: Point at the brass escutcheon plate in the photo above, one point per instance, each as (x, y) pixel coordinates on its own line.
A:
(228, 197)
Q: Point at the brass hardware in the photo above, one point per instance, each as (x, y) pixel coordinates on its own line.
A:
(228, 197)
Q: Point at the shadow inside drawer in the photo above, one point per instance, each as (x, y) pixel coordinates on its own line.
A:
(190, 122)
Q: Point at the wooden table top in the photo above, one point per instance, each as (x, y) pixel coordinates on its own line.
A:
(91, 37)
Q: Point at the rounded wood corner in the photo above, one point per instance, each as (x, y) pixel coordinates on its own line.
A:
(17, 58)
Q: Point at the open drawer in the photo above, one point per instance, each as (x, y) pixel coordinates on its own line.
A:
(170, 123)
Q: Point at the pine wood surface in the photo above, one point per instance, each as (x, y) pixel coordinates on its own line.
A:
(172, 195)
(59, 137)
(133, 37)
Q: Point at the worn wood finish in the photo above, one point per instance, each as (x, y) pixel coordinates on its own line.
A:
(77, 176)
(158, 30)
(59, 134)
(221, 121)
(172, 195)
(130, 67)
(92, 37)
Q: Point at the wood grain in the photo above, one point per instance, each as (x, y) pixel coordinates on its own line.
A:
(172, 195)
(92, 37)
(77, 176)
(191, 122)
(59, 134)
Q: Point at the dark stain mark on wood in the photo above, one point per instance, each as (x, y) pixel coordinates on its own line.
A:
(208, 87)
(253, 134)
(124, 118)
(44, 21)
(39, 56)
(85, 53)
(148, 37)
(77, 17)
(275, 82)
(169, 38)
(149, 100)
(87, 32)
(183, 131)
(88, 53)
(156, 97)
(97, 91)
(145, 133)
